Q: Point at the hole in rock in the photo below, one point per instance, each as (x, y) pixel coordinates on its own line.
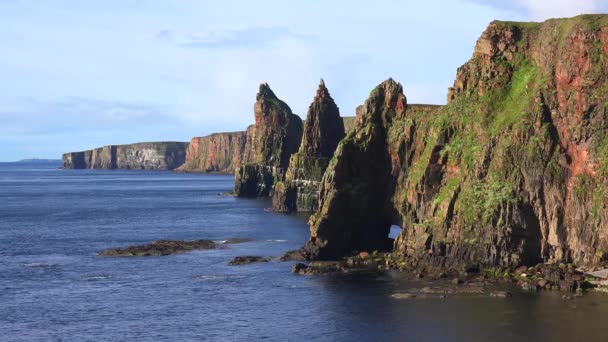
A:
(394, 232)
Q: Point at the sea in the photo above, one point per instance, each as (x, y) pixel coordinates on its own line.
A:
(54, 287)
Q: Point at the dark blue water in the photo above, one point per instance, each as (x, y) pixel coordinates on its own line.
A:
(53, 287)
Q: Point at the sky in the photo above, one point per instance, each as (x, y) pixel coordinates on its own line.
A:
(83, 74)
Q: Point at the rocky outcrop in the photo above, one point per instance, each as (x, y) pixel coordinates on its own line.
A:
(159, 248)
(323, 130)
(271, 141)
(139, 156)
(218, 152)
(512, 171)
(168, 247)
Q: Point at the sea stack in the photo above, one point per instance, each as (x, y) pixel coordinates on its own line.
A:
(323, 130)
(271, 141)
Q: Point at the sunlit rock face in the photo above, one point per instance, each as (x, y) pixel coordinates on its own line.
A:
(143, 156)
(323, 130)
(271, 141)
(512, 171)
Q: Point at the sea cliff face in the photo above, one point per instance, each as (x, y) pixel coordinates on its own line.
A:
(218, 152)
(512, 171)
(323, 129)
(139, 156)
(271, 141)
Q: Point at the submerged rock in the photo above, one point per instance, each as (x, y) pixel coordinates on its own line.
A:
(292, 256)
(403, 295)
(160, 248)
(318, 268)
(243, 260)
(168, 247)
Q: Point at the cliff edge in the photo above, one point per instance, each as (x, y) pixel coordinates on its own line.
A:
(512, 171)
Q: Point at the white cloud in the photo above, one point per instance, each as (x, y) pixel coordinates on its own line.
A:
(543, 9)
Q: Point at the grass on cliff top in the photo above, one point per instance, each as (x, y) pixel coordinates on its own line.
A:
(592, 21)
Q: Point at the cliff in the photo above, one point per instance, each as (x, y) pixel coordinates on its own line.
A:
(512, 171)
(271, 141)
(323, 129)
(224, 152)
(143, 156)
(218, 152)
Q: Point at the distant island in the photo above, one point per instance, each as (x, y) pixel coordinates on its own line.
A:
(37, 161)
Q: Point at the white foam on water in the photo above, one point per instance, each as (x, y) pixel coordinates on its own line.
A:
(93, 278)
(218, 277)
(36, 264)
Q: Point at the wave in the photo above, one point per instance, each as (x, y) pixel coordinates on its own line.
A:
(36, 264)
(278, 240)
(218, 277)
(94, 278)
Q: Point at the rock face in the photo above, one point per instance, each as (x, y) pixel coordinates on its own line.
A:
(271, 141)
(512, 171)
(140, 156)
(349, 123)
(218, 152)
(323, 130)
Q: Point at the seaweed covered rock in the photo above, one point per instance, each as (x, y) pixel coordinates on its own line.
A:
(323, 130)
(512, 171)
(271, 141)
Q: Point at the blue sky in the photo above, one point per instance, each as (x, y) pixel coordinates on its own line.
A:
(82, 74)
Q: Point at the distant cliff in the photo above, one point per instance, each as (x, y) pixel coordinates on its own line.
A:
(218, 152)
(271, 141)
(139, 156)
(224, 152)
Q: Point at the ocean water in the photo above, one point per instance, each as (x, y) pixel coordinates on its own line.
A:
(53, 287)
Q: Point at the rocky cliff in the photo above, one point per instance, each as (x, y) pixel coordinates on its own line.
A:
(218, 152)
(224, 152)
(271, 141)
(512, 171)
(323, 129)
(140, 156)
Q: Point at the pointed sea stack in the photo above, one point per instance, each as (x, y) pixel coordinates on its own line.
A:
(353, 190)
(271, 141)
(323, 130)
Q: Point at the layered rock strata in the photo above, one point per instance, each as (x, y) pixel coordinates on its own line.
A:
(218, 152)
(512, 171)
(271, 141)
(139, 156)
(323, 130)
